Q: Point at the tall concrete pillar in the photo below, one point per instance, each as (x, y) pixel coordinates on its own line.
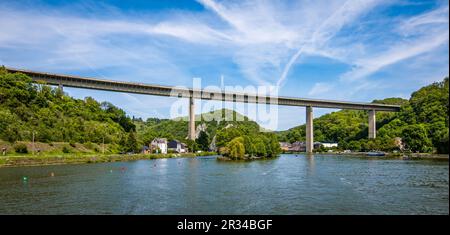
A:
(191, 118)
(309, 129)
(372, 125)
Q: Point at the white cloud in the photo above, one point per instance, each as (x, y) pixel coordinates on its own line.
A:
(320, 88)
(426, 39)
(345, 14)
(435, 17)
(368, 66)
(264, 40)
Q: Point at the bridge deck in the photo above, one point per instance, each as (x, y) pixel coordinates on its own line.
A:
(148, 89)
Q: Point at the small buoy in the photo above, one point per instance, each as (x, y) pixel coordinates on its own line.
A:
(110, 171)
(25, 178)
(52, 174)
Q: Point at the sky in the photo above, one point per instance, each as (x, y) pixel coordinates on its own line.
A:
(353, 50)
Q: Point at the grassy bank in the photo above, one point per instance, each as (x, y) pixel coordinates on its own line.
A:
(56, 153)
(57, 159)
(55, 148)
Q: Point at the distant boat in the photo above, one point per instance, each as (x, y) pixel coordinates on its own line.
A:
(376, 154)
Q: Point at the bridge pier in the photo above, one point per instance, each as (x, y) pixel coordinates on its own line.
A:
(372, 125)
(191, 130)
(309, 129)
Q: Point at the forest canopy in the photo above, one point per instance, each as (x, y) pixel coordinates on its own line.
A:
(422, 124)
(27, 108)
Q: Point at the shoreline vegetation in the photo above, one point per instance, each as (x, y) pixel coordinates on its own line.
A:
(43, 159)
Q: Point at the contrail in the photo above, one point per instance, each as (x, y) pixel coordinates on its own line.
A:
(313, 39)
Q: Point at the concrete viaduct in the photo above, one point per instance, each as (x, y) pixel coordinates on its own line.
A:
(148, 89)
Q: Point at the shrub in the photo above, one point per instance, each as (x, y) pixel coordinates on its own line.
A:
(224, 151)
(20, 148)
(89, 145)
(66, 149)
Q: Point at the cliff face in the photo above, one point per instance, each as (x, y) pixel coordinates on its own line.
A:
(200, 128)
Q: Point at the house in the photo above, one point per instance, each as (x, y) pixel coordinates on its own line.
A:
(285, 146)
(298, 146)
(145, 150)
(159, 145)
(176, 146)
(329, 145)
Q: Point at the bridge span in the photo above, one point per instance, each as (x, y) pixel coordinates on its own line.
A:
(173, 91)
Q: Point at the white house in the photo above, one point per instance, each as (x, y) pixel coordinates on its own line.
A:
(330, 145)
(177, 146)
(159, 144)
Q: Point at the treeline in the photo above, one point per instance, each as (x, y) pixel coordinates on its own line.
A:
(27, 108)
(421, 125)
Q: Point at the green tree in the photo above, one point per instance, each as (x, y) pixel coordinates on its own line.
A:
(192, 145)
(249, 146)
(236, 148)
(203, 141)
(416, 139)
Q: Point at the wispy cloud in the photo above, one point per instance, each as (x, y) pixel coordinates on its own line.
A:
(368, 66)
(250, 42)
(429, 30)
(345, 14)
(320, 88)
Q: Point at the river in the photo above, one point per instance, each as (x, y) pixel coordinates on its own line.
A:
(289, 184)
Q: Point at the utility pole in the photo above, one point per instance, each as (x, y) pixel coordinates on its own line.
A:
(33, 142)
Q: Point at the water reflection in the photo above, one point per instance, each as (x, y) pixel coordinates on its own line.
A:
(311, 164)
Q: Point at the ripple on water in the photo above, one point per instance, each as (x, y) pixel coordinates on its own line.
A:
(287, 185)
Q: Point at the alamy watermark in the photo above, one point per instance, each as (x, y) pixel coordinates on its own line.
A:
(258, 103)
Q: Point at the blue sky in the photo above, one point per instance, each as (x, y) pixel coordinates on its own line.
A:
(343, 50)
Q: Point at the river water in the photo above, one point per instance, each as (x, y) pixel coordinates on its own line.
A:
(290, 184)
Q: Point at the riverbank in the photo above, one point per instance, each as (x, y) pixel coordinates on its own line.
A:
(60, 159)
